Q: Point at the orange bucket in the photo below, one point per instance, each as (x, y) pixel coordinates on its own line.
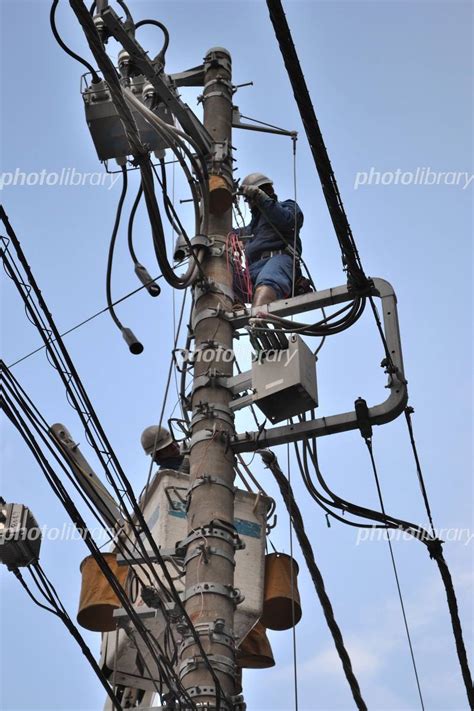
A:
(255, 651)
(98, 601)
(281, 601)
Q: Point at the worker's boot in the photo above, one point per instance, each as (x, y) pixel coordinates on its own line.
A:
(263, 294)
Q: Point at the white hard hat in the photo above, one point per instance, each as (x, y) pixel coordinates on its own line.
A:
(155, 438)
(256, 180)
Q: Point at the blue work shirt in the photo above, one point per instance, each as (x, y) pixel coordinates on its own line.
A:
(268, 219)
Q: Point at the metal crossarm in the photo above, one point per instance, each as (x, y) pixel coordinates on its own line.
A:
(379, 414)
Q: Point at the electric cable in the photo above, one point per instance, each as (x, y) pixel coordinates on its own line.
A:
(43, 430)
(134, 345)
(57, 37)
(368, 442)
(88, 418)
(19, 423)
(64, 617)
(351, 259)
(83, 323)
(141, 271)
(271, 462)
(408, 413)
(161, 54)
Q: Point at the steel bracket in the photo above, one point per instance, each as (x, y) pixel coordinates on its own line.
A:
(379, 414)
(161, 83)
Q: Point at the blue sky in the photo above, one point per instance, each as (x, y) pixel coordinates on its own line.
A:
(391, 85)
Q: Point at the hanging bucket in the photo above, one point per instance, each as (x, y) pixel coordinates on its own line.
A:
(255, 651)
(281, 603)
(220, 195)
(98, 601)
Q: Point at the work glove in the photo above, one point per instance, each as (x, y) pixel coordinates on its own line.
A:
(253, 194)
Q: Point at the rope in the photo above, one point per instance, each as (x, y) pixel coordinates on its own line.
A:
(368, 442)
(287, 493)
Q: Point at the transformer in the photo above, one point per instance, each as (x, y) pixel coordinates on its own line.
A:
(20, 536)
(164, 510)
(106, 128)
(284, 381)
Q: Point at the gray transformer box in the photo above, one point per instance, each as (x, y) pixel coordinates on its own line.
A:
(284, 381)
(105, 125)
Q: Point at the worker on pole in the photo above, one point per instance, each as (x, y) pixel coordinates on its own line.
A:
(272, 241)
(158, 442)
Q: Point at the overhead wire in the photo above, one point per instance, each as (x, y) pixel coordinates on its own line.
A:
(368, 442)
(271, 462)
(63, 45)
(94, 429)
(61, 613)
(62, 494)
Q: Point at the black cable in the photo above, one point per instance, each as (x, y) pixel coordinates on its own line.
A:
(271, 462)
(408, 413)
(77, 636)
(131, 219)
(110, 257)
(329, 185)
(59, 489)
(161, 54)
(88, 418)
(57, 37)
(44, 432)
(82, 323)
(368, 442)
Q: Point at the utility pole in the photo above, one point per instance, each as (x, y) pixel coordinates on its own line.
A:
(210, 600)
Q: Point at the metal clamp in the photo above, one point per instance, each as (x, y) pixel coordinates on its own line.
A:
(232, 593)
(218, 663)
(205, 435)
(214, 412)
(206, 551)
(209, 286)
(210, 479)
(214, 631)
(215, 312)
(216, 529)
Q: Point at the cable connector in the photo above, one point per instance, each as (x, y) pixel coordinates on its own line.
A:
(363, 418)
(146, 279)
(131, 340)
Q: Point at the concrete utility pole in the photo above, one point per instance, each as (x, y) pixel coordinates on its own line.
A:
(210, 571)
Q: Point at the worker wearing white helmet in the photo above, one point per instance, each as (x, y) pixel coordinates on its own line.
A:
(271, 240)
(160, 445)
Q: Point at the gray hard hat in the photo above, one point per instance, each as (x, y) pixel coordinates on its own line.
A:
(256, 180)
(155, 438)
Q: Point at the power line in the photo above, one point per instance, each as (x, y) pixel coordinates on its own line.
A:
(271, 462)
(87, 320)
(368, 442)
